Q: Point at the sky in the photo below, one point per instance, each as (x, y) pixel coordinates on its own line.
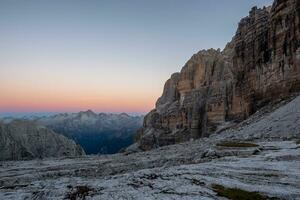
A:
(105, 55)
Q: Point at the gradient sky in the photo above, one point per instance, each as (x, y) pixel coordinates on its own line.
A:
(105, 55)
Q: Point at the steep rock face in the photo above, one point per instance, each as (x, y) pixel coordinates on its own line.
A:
(193, 103)
(259, 65)
(266, 55)
(25, 140)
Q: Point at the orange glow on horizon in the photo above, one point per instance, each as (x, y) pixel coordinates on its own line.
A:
(67, 100)
(60, 88)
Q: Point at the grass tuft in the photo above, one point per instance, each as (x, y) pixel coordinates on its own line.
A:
(80, 192)
(236, 144)
(238, 194)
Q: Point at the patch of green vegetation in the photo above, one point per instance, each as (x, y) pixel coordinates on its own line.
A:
(270, 175)
(238, 194)
(262, 174)
(236, 144)
(197, 182)
(80, 192)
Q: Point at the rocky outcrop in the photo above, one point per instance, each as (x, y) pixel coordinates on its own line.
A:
(261, 64)
(266, 55)
(22, 140)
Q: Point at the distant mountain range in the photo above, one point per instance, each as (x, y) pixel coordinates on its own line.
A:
(96, 133)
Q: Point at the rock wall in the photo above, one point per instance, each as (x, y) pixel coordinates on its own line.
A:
(259, 65)
(265, 57)
(22, 140)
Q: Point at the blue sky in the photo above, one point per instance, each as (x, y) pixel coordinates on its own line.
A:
(95, 48)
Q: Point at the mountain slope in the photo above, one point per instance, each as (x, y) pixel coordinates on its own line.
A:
(96, 133)
(260, 65)
(26, 140)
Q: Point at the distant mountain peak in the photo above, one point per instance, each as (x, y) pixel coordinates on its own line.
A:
(124, 115)
(88, 113)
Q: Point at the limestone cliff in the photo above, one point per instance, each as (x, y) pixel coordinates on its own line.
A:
(21, 140)
(261, 64)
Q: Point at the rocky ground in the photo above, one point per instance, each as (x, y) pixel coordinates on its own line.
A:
(261, 155)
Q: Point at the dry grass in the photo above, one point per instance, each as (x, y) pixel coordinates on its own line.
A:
(238, 194)
(236, 144)
(80, 192)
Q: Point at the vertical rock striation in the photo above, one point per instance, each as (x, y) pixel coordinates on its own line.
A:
(259, 65)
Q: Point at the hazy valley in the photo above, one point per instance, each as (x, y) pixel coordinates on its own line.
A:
(95, 133)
